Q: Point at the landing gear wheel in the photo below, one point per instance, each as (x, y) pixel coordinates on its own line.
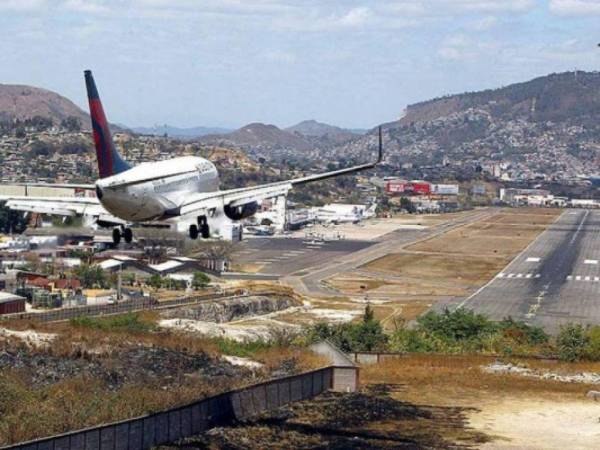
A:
(193, 232)
(128, 235)
(116, 236)
(205, 231)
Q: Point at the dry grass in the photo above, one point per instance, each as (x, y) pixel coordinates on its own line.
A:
(458, 380)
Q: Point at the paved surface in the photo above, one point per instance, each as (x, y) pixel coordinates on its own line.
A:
(284, 256)
(309, 280)
(555, 280)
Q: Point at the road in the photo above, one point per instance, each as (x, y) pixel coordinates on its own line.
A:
(308, 281)
(555, 280)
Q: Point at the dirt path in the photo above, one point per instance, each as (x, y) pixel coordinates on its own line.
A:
(530, 424)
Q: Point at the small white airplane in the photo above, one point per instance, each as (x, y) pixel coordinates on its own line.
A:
(182, 191)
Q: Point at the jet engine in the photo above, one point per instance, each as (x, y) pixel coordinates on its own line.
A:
(241, 212)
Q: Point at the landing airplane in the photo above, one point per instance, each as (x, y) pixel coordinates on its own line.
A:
(182, 191)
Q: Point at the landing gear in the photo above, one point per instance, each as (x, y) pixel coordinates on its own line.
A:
(193, 232)
(202, 229)
(116, 236)
(125, 233)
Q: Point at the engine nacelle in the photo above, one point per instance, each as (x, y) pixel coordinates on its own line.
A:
(240, 212)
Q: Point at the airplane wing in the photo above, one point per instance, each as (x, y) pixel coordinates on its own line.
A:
(239, 197)
(61, 206)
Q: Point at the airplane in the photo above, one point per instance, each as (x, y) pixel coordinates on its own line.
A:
(181, 191)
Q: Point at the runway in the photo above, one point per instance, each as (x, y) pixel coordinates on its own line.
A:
(555, 280)
(283, 256)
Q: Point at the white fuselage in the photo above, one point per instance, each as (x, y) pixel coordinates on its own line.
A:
(155, 190)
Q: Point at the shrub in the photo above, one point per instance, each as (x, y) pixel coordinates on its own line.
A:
(571, 342)
(366, 336)
(592, 351)
(130, 323)
(458, 325)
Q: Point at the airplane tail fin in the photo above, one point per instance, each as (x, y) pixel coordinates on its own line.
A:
(109, 160)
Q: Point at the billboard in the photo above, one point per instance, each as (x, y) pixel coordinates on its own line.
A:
(445, 189)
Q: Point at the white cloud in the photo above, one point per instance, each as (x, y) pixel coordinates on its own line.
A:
(21, 5)
(575, 7)
(462, 47)
(86, 6)
(484, 24)
(355, 17)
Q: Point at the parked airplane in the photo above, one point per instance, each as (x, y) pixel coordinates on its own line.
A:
(182, 190)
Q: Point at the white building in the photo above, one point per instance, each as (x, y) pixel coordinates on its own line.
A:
(338, 213)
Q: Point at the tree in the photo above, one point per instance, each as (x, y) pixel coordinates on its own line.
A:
(155, 281)
(11, 221)
(91, 276)
(200, 280)
(71, 123)
(407, 205)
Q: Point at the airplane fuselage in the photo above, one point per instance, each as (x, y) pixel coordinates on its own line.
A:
(153, 190)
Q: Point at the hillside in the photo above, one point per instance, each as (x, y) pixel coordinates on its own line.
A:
(25, 102)
(259, 135)
(546, 126)
(314, 129)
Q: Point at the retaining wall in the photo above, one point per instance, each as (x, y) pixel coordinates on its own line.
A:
(169, 426)
(120, 308)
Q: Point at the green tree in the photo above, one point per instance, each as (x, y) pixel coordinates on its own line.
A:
(571, 342)
(200, 280)
(91, 276)
(407, 205)
(155, 281)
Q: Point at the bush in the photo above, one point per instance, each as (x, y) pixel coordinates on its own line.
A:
(130, 323)
(458, 325)
(571, 342)
(592, 351)
(366, 336)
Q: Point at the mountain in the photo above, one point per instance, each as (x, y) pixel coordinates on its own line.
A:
(260, 135)
(183, 133)
(25, 102)
(318, 129)
(547, 126)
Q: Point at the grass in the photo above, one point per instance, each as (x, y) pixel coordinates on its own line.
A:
(125, 323)
(439, 379)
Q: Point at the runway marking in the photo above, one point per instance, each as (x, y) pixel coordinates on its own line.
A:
(533, 259)
(533, 309)
(518, 275)
(583, 278)
(523, 252)
(579, 227)
(591, 261)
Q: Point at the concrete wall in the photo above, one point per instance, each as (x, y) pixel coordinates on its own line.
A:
(169, 426)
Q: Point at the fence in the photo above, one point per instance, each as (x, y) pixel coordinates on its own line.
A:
(367, 358)
(170, 426)
(119, 308)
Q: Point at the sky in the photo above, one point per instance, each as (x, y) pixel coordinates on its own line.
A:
(227, 63)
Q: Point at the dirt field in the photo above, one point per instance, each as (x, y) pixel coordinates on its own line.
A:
(451, 265)
(432, 402)
(510, 411)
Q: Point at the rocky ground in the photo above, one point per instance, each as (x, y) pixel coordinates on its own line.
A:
(139, 365)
